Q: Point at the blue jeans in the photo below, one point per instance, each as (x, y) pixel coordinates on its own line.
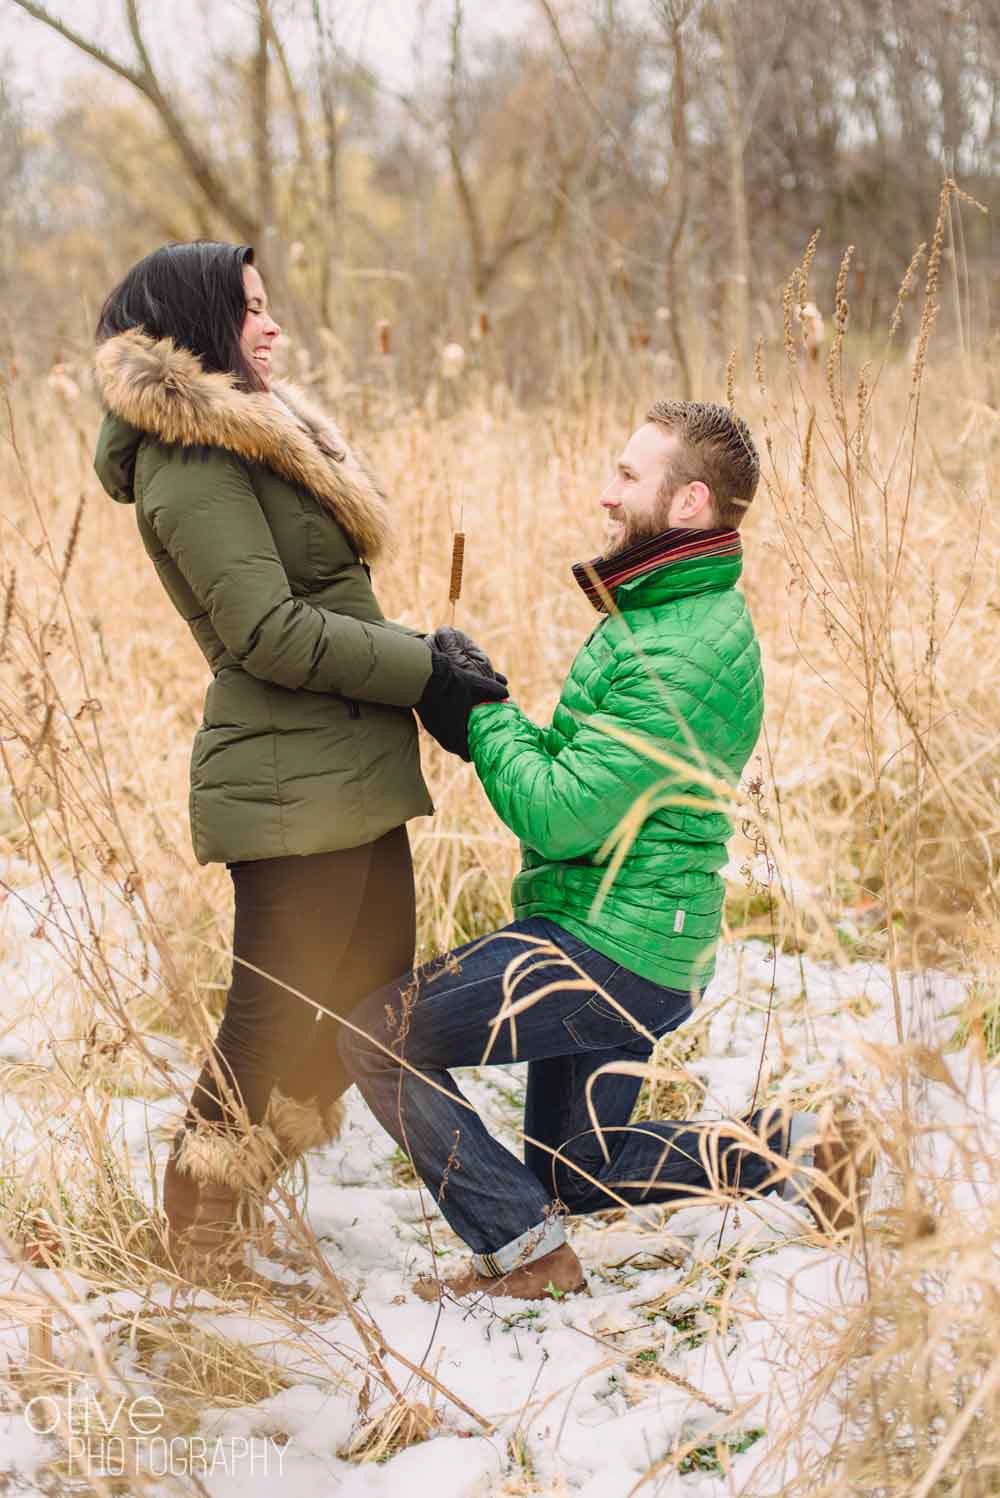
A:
(443, 1016)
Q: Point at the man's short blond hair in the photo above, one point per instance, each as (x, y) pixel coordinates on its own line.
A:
(716, 448)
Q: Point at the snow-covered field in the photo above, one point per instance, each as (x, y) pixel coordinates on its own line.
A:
(702, 1331)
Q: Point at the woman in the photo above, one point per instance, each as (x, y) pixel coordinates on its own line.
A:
(261, 522)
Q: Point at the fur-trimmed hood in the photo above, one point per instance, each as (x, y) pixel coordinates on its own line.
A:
(162, 389)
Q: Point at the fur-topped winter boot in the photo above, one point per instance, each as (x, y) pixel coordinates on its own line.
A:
(210, 1172)
(297, 1126)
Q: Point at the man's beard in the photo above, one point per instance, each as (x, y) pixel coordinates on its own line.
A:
(619, 536)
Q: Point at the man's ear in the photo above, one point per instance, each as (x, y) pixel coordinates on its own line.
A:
(696, 501)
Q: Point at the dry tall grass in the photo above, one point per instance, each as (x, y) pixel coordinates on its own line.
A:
(873, 573)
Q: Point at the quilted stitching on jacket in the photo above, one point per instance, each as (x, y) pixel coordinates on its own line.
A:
(683, 675)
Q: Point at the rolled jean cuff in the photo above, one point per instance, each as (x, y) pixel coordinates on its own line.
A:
(534, 1244)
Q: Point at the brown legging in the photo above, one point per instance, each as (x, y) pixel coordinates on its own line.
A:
(335, 926)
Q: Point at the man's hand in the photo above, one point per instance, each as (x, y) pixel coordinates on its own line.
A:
(463, 651)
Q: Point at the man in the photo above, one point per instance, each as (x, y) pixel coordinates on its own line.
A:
(618, 903)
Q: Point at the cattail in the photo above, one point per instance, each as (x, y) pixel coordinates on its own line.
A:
(758, 365)
(74, 536)
(805, 266)
(928, 316)
(457, 566)
(383, 329)
(62, 383)
(43, 732)
(731, 381)
(813, 329)
(863, 397)
(452, 361)
(906, 286)
(8, 613)
(805, 469)
(787, 318)
(841, 312)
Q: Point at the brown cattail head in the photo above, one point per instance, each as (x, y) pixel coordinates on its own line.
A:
(484, 322)
(457, 564)
(74, 536)
(383, 329)
(8, 612)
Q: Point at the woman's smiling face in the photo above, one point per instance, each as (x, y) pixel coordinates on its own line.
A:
(259, 328)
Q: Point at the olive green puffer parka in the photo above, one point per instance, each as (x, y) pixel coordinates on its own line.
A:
(622, 847)
(257, 517)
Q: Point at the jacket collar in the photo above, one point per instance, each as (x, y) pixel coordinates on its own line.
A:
(686, 558)
(163, 390)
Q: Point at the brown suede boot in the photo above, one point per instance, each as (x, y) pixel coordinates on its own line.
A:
(207, 1175)
(834, 1162)
(551, 1277)
(845, 1154)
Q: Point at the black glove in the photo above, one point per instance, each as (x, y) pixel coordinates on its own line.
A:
(449, 697)
(463, 651)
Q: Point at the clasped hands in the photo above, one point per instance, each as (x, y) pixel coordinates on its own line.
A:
(462, 677)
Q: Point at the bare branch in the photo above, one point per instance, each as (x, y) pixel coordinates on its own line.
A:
(39, 13)
(676, 191)
(327, 198)
(294, 98)
(138, 40)
(463, 190)
(261, 94)
(567, 58)
(145, 81)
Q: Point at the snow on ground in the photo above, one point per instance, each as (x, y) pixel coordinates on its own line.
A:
(578, 1397)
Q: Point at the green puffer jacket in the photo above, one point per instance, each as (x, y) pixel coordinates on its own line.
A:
(257, 515)
(620, 848)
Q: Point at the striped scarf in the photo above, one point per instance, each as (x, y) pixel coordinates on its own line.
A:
(601, 577)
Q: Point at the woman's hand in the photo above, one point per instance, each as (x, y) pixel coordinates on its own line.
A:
(463, 651)
(449, 697)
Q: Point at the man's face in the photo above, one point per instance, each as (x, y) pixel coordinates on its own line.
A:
(636, 503)
(632, 502)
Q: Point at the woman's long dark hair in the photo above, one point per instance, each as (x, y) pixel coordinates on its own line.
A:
(192, 293)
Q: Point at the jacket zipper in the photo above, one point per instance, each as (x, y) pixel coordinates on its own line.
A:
(354, 709)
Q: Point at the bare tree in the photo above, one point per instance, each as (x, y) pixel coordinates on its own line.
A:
(142, 77)
(576, 175)
(525, 217)
(328, 188)
(674, 16)
(738, 286)
(12, 146)
(12, 163)
(261, 113)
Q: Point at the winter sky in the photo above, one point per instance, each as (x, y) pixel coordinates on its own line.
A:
(396, 37)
